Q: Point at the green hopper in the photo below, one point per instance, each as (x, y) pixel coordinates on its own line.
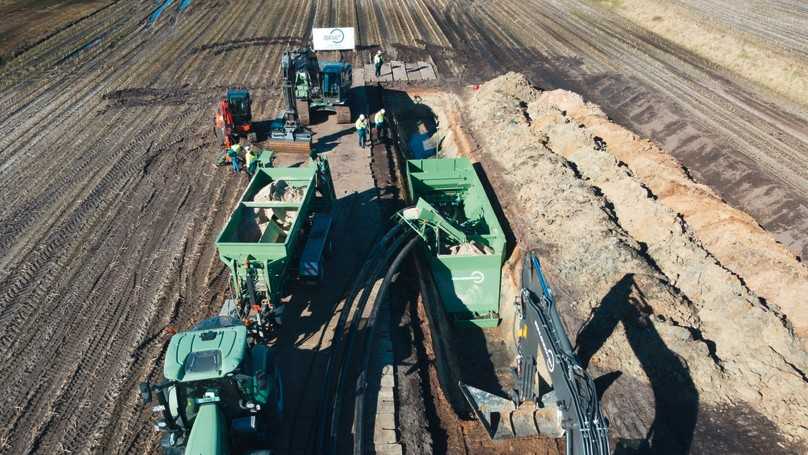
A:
(468, 280)
(263, 239)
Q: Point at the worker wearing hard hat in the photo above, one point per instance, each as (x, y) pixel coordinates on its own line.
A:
(232, 153)
(378, 60)
(378, 122)
(251, 160)
(361, 129)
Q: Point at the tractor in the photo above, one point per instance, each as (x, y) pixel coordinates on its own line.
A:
(233, 118)
(222, 392)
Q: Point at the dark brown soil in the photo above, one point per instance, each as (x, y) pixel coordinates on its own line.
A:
(110, 206)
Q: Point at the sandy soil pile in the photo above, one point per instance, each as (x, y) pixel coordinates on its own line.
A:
(767, 267)
(695, 358)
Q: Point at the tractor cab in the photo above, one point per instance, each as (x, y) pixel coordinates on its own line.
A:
(233, 117)
(336, 81)
(219, 393)
(240, 106)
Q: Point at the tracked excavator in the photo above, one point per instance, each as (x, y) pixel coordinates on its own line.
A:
(572, 408)
(321, 85)
(233, 117)
(288, 132)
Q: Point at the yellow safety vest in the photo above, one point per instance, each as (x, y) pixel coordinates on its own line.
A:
(361, 124)
(379, 117)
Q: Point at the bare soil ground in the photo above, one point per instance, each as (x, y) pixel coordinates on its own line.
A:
(769, 54)
(110, 201)
(26, 23)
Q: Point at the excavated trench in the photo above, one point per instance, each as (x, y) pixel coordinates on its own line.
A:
(670, 317)
(112, 204)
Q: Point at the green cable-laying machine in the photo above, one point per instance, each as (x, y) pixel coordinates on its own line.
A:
(281, 224)
(222, 389)
(454, 216)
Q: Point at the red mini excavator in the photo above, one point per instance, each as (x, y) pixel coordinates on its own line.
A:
(233, 118)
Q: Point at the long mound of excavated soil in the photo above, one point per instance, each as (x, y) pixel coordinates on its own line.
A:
(739, 243)
(660, 280)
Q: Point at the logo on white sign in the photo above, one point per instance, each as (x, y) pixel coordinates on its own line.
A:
(476, 276)
(336, 36)
(333, 39)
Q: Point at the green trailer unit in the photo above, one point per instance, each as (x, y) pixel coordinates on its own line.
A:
(469, 284)
(261, 239)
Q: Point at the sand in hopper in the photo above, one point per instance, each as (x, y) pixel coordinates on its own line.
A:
(470, 249)
(277, 191)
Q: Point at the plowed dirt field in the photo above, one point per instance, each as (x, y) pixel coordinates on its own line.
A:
(110, 200)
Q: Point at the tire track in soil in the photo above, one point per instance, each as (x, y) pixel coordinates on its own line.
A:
(17, 73)
(146, 273)
(106, 146)
(64, 76)
(46, 174)
(183, 254)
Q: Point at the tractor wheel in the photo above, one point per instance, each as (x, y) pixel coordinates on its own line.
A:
(343, 114)
(303, 112)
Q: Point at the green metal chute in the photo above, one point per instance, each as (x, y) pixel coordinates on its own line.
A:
(208, 434)
(454, 216)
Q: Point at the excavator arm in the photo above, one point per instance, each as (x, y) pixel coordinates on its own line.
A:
(288, 131)
(572, 408)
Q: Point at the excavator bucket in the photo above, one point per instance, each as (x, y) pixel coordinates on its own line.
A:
(491, 410)
(574, 398)
(503, 420)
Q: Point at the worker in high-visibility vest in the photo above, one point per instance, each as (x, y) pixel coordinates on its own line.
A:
(378, 60)
(378, 122)
(361, 129)
(232, 153)
(251, 160)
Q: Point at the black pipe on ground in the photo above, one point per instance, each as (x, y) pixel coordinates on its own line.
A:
(361, 446)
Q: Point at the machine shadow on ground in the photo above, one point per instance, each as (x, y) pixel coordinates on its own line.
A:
(415, 122)
(329, 142)
(303, 342)
(676, 400)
